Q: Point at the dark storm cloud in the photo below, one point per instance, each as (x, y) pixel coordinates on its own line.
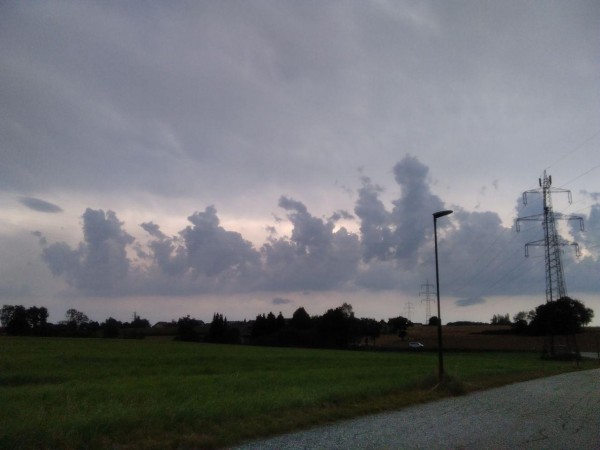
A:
(100, 262)
(479, 256)
(374, 222)
(412, 211)
(212, 250)
(314, 256)
(40, 205)
(153, 230)
(463, 302)
(281, 301)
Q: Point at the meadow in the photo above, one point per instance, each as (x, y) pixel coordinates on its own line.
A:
(103, 393)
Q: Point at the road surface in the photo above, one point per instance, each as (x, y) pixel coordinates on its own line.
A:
(560, 412)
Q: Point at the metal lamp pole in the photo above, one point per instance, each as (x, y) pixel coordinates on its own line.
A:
(436, 216)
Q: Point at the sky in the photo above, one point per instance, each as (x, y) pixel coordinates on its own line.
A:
(241, 157)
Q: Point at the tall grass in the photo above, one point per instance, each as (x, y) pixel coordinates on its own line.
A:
(74, 393)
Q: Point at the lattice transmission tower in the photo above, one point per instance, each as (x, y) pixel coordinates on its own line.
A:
(552, 242)
(408, 308)
(427, 293)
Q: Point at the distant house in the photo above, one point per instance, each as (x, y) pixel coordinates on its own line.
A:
(164, 325)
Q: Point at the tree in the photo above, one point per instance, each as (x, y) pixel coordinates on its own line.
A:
(500, 319)
(138, 322)
(400, 325)
(220, 331)
(520, 322)
(14, 319)
(370, 329)
(562, 316)
(76, 318)
(110, 328)
(339, 327)
(21, 321)
(301, 320)
(433, 321)
(187, 329)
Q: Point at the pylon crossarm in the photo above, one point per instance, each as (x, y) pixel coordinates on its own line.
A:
(532, 191)
(534, 218)
(540, 243)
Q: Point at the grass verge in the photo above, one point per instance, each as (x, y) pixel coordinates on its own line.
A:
(92, 393)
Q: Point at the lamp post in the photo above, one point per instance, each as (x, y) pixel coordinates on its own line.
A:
(436, 216)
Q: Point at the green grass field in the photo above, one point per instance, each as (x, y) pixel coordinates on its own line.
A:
(94, 393)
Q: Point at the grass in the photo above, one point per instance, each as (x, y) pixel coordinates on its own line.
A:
(94, 393)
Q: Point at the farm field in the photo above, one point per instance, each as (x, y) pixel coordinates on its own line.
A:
(100, 393)
(483, 337)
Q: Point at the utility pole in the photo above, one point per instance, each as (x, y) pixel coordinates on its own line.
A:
(427, 293)
(552, 242)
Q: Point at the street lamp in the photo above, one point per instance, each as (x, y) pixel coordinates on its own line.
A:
(436, 216)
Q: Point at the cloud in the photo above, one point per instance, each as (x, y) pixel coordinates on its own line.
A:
(40, 205)
(313, 257)
(392, 250)
(412, 213)
(281, 301)
(464, 302)
(212, 250)
(375, 222)
(100, 262)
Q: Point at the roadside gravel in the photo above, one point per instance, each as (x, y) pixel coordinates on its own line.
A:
(560, 412)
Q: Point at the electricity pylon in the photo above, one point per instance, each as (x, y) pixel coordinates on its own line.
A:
(427, 299)
(408, 307)
(555, 280)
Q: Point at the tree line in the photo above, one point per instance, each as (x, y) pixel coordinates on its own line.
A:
(565, 316)
(20, 321)
(337, 328)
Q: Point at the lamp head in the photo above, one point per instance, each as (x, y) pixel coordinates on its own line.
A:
(439, 214)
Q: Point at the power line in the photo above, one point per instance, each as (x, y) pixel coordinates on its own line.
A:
(576, 149)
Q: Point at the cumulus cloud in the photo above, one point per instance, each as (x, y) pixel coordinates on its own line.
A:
(212, 250)
(393, 250)
(375, 222)
(100, 262)
(39, 205)
(412, 213)
(314, 256)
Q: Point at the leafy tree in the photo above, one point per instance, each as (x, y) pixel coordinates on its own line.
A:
(433, 321)
(19, 320)
(14, 319)
(499, 319)
(138, 322)
(187, 329)
(562, 316)
(370, 329)
(76, 318)
(110, 328)
(37, 319)
(339, 327)
(400, 325)
(520, 322)
(301, 320)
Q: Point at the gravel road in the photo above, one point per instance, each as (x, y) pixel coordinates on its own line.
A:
(560, 412)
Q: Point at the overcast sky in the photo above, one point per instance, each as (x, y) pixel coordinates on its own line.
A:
(174, 158)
